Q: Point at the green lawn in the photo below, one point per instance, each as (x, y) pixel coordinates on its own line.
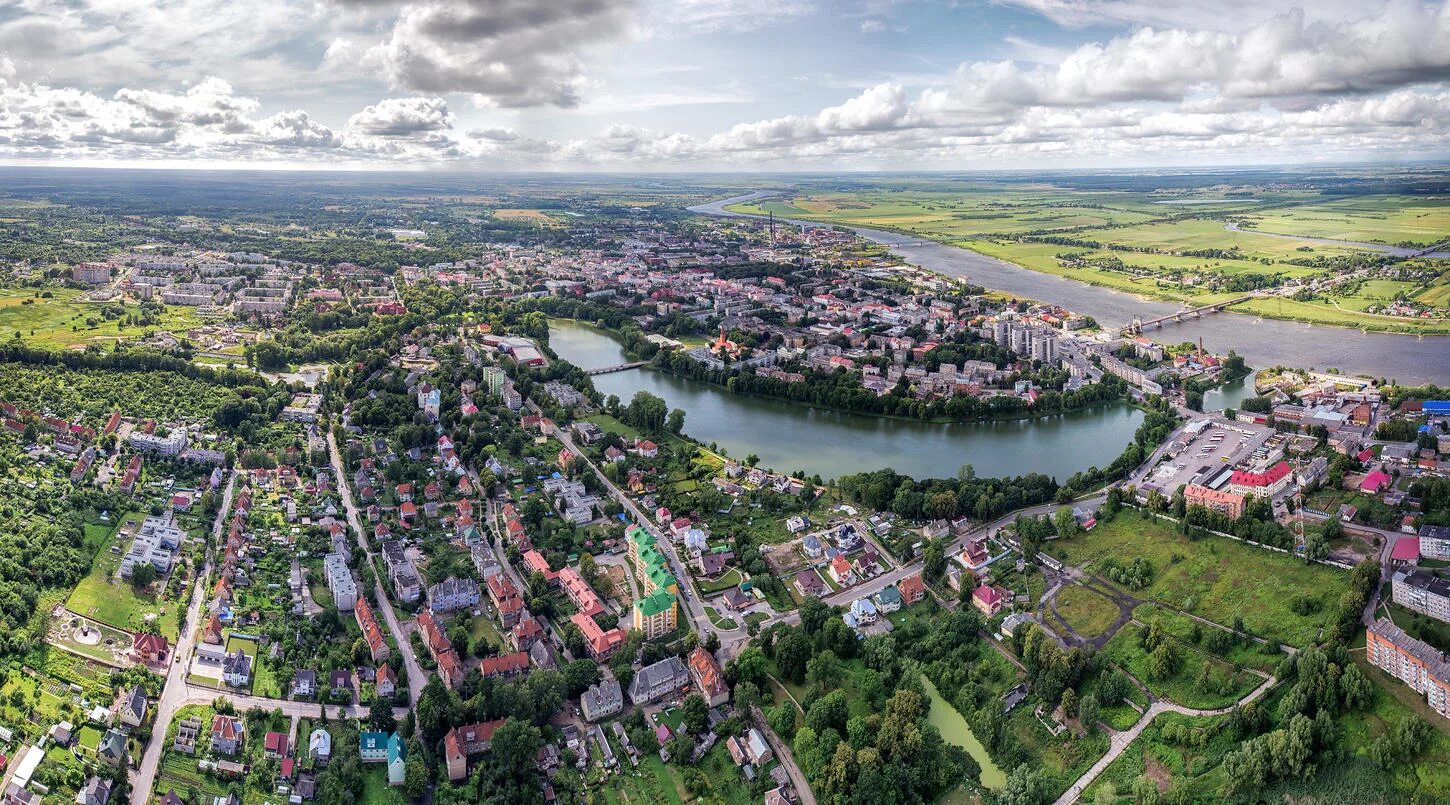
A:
(1241, 652)
(376, 790)
(1086, 611)
(105, 597)
(60, 321)
(720, 621)
(1215, 578)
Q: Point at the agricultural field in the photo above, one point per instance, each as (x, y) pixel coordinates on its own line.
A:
(1162, 237)
(1417, 220)
(539, 217)
(1197, 234)
(1215, 578)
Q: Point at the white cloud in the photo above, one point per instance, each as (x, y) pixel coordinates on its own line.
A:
(400, 117)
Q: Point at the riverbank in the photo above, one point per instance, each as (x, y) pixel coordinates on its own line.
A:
(1040, 258)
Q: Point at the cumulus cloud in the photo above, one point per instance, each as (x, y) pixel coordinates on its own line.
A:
(510, 53)
(397, 117)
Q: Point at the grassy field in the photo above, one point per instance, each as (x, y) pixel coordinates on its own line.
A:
(1198, 770)
(1215, 578)
(1195, 234)
(1326, 312)
(992, 218)
(105, 597)
(1383, 219)
(60, 321)
(1242, 652)
(1087, 612)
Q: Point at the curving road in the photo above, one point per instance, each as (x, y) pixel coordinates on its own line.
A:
(1120, 741)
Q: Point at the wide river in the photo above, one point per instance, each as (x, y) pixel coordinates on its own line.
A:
(791, 436)
(1263, 342)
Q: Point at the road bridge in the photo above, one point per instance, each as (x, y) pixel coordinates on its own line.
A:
(1139, 325)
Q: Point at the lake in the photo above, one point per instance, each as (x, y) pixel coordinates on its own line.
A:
(789, 436)
(954, 730)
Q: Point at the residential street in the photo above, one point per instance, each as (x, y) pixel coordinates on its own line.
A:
(416, 678)
(176, 692)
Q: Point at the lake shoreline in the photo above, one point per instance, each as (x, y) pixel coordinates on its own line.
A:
(1029, 417)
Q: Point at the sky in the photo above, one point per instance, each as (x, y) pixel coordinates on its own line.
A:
(721, 85)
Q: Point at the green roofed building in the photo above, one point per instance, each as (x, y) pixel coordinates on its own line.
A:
(658, 612)
(655, 614)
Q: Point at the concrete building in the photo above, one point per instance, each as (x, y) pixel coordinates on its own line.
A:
(654, 682)
(340, 581)
(603, 699)
(1411, 661)
(1226, 503)
(1422, 592)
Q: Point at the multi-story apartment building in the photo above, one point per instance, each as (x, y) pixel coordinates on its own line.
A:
(1435, 541)
(655, 613)
(1226, 503)
(1422, 592)
(340, 581)
(1411, 661)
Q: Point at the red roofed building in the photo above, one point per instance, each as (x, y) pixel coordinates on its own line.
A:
(1406, 551)
(1226, 503)
(149, 648)
(705, 672)
(377, 646)
(601, 643)
(1374, 482)
(275, 745)
(989, 600)
(1261, 484)
(526, 633)
(912, 589)
(460, 743)
(112, 423)
(505, 665)
(580, 592)
(535, 562)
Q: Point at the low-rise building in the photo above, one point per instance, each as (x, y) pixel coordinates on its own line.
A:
(654, 682)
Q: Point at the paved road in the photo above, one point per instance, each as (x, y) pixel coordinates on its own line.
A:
(693, 606)
(174, 694)
(416, 678)
(1121, 740)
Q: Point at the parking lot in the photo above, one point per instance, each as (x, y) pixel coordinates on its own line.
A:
(1218, 446)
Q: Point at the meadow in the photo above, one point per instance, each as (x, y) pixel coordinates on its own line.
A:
(60, 321)
(1215, 578)
(1391, 219)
